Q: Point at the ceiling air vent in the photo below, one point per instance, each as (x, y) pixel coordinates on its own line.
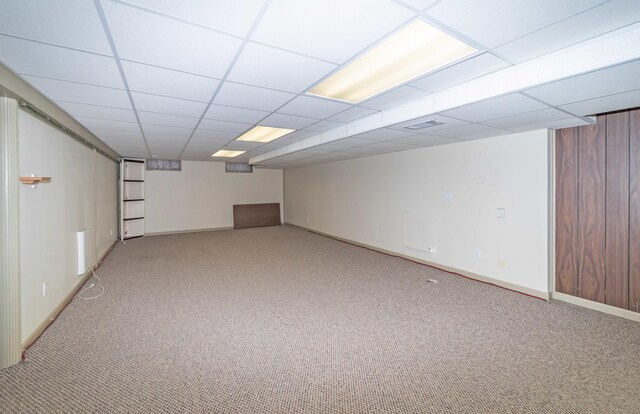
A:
(425, 124)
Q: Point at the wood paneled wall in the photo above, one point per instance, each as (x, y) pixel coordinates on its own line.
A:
(598, 210)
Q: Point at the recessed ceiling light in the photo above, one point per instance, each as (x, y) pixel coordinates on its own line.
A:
(410, 52)
(264, 134)
(227, 153)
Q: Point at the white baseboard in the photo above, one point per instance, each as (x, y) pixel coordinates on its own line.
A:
(601, 307)
(484, 279)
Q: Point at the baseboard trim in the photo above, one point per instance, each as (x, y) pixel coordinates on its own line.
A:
(600, 307)
(37, 333)
(166, 233)
(469, 275)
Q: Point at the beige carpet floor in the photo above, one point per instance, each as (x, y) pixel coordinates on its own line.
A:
(279, 320)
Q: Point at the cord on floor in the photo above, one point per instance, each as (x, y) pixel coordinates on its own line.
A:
(93, 285)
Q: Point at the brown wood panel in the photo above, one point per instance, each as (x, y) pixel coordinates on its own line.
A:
(634, 212)
(617, 211)
(566, 210)
(256, 215)
(591, 211)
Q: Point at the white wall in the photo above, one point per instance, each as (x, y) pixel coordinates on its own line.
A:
(391, 200)
(83, 194)
(202, 195)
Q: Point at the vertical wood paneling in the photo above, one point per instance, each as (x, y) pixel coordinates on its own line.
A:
(566, 210)
(617, 210)
(634, 213)
(591, 212)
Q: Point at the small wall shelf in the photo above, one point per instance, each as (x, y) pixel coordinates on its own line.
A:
(35, 180)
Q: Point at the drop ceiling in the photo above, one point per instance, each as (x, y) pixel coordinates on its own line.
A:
(183, 80)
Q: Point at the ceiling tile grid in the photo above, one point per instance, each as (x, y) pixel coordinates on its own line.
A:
(194, 75)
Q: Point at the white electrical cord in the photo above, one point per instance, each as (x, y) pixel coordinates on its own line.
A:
(91, 286)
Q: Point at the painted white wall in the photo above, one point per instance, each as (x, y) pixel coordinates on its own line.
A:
(202, 195)
(81, 195)
(391, 200)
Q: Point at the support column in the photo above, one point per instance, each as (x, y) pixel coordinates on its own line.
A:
(10, 318)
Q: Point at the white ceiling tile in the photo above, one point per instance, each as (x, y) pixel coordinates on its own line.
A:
(150, 38)
(207, 135)
(446, 124)
(419, 4)
(108, 133)
(76, 92)
(276, 69)
(495, 108)
(167, 140)
(472, 131)
(154, 118)
(91, 123)
(166, 105)
(223, 126)
(164, 132)
(464, 71)
(196, 144)
(586, 25)
(32, 58)
(603, 82)
(251, 97)
(233, 114)
(629, 99)
(234, 17)
(72, 23)
(312, 107)
(160, 81)
(494, 22)
(95, 111)
(287, 121)
(394, 97)
(333, 30)
(323, 126)
(352, 114)
(385, 134)
(528, 120)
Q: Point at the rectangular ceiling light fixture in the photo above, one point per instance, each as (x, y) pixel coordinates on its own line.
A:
(412, 51)
(264, 134)
(227, 153)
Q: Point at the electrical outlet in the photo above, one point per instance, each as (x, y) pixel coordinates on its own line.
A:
(111, 232)
(307, 219)
(448, 198)
(364, 229)
(44, 288)
(377, 233)
(477, 253)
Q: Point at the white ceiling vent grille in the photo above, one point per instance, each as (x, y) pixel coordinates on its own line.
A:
(425, 124)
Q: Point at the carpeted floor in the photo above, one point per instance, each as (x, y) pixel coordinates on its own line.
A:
(279, 320)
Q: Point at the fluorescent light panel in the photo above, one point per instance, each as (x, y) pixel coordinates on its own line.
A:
(412, 51)
(227, 153)
(264, 134)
